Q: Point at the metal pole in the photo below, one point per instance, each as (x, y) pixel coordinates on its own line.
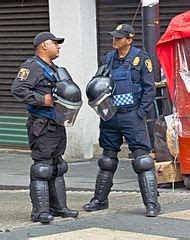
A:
(151, 32)
(151, 35)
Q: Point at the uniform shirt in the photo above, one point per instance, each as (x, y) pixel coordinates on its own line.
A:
(31, 85)
(141, 72)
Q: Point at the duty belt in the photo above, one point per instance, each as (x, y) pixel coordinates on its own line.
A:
(125, 109)
(49, 121)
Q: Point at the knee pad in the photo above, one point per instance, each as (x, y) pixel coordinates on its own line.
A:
(142, 164)
(107, 164)
(60, 169)
(41, 171)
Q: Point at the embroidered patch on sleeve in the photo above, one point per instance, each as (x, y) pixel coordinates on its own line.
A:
(23, 73)
(148, 64)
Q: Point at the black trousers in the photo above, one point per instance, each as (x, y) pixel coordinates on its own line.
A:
(47, 140)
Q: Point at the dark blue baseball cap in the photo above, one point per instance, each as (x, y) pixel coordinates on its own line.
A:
(44, 36)
(123, 30)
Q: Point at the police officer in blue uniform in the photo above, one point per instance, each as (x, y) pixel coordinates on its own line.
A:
(131, 69)
(47, 139)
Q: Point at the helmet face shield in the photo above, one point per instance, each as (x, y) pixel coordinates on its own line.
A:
(66, 113)
(67, 98)
(104, 107)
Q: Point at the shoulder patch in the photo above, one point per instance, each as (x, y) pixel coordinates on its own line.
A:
(23, 73)
(148, 64)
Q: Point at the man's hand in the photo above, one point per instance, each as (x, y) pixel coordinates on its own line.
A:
(48, 100)
(102, 71)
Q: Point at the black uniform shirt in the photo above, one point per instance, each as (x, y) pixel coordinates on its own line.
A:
(31, 85)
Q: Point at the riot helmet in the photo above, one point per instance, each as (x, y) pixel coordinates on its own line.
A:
(67, 98)
(99, 92)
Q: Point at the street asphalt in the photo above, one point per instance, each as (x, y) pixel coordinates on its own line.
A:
(125, 218)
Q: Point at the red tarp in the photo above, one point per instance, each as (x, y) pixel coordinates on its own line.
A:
(178, 28)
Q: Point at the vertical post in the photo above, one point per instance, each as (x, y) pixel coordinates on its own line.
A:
(151, 35)
(151, 32)
(76, 21)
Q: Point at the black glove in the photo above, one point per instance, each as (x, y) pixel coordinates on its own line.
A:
(62, 74)
(102, 71)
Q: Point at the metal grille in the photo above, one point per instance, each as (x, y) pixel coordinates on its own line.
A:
(20, 21)
(111, 13)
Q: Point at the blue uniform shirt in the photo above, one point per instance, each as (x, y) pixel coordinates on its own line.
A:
(141, 73)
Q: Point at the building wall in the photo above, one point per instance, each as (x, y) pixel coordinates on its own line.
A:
(76, 21)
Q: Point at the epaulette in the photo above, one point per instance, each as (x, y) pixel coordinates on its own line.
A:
(144, 52)
(30, 60)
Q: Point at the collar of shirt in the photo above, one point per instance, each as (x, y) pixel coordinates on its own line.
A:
(53, 66)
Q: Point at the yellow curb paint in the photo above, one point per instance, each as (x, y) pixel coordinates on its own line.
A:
(101, 234)
(184, 215)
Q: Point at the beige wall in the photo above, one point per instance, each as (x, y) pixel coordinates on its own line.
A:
(76, 21)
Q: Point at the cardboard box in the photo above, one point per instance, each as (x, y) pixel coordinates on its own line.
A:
(167, 172)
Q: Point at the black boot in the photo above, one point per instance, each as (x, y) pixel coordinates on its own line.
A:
(144, 167)
(40, 200)
(152, 209)
(104, 182)
(58, 206)
(148, 188)
(95, 205)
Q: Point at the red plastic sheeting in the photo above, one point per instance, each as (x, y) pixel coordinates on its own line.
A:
(178, 28)
(173, 50)
(182, 101)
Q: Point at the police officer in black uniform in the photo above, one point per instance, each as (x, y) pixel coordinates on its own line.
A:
(131, 69)
(47, 139)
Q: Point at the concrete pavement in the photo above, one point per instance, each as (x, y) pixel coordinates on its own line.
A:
(14, 174)
(125, 218)
(126, 214)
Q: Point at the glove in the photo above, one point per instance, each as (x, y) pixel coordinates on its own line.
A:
(102, 71)
(62, 74)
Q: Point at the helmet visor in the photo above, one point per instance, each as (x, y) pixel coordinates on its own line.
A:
(65, 114)
(104, 107)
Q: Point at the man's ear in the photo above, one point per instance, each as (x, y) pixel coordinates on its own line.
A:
(44, 45)
(131, 40)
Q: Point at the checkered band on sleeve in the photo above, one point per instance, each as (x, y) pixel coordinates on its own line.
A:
(123, 99)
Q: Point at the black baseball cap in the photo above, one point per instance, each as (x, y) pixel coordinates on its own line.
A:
(44, 36)
(123, 30)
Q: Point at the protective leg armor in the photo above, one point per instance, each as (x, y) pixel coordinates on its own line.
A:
(57, 193)
(104, 181)
(144, 166)
(39, 193)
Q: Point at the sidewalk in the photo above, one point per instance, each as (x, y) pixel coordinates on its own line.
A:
(14, 174)
(126, 211)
